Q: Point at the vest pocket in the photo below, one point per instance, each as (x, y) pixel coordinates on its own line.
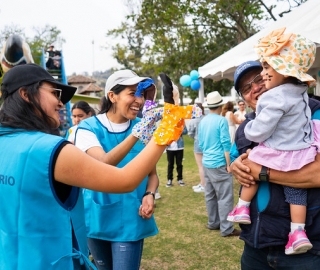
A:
(105, 220)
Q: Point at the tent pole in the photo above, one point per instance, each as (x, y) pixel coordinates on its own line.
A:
(201, 91)
(317, 89)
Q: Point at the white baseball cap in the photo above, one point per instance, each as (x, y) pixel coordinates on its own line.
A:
(122, 77)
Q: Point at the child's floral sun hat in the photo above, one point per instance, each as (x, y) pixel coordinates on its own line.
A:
(288, 54)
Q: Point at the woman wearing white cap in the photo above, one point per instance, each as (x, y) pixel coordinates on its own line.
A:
(118, 223)
(42, 216)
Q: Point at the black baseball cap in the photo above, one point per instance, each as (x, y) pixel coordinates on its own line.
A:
(27, 74)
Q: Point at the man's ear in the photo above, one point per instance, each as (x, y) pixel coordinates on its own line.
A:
(23, 93)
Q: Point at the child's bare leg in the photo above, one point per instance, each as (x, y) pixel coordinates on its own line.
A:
(298, 213)
(247, 193)
(298, 216)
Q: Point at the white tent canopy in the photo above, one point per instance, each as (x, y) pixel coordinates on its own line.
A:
(304, 20)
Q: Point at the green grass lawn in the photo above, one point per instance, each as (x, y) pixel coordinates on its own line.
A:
(183, 241)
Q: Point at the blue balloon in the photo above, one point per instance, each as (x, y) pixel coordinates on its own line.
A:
(194, 75)
(195, 85)
(185, 80)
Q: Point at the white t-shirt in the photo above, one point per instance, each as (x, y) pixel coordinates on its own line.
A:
(174, 146)
(86, 139)
(72, 132)
(240, 114)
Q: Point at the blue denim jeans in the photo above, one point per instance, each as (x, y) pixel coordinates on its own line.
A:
(275, 258)
(109, 255)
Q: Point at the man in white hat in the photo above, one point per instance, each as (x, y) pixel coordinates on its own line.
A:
(214, 140)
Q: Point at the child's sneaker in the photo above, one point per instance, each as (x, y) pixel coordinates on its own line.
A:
(240, 215)
(169, 184)
(298, 242)
(181, 183)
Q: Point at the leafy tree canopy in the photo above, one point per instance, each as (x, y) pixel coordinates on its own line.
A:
(177, 36)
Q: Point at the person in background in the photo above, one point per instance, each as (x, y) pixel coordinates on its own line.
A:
(227, 112)
(175, 153)
(240, 114)
(193, 133)
(57, 60)
(42, 173)
(80, 111)
(50, 52)
(214, 141)
(265, 238)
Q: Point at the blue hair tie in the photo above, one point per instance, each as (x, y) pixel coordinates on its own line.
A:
(143, 86)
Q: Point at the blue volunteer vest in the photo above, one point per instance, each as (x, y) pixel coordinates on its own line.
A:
(35, 227)
(114, 217)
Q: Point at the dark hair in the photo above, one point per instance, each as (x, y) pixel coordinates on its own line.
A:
(227, 107)
(105, 103)
(241, 101)
(201, 107)
(82, 105)
(18, 113)
(295, 81)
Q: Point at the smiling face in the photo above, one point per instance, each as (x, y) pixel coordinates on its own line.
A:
(126, 104)
(50, 102)
(257, 87)
(271, 77)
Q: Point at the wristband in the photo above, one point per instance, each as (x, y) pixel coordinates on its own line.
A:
(149, 193)
(264, 174)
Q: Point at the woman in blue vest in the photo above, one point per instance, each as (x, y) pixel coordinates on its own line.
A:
(80, 111)
(118, 223)
(42, 217)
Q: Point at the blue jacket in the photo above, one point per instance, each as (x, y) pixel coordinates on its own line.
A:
(38, 231)
(114, 217)
(270, 214)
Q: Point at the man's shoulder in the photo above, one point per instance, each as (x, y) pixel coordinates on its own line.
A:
(249, 116)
